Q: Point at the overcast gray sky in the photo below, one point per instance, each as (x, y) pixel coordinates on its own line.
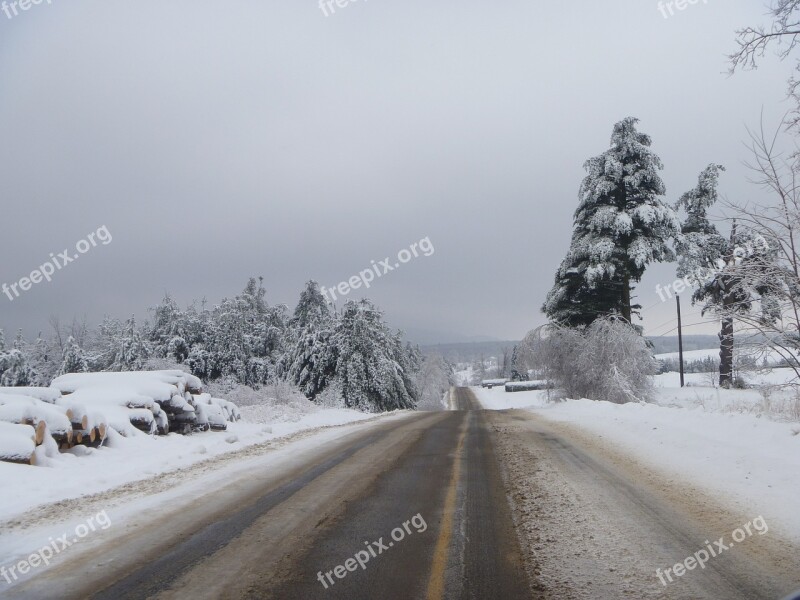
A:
(217, 141)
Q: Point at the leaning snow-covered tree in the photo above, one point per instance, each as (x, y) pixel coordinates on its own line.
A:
(776, 219)
(729, 272)
(621, 225)
(373, 367)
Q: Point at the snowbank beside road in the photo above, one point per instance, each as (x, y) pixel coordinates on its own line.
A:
(749, 462)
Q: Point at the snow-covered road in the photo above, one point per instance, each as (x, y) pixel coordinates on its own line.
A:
(571, 500)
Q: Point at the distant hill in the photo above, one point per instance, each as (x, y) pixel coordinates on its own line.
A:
(465, 352)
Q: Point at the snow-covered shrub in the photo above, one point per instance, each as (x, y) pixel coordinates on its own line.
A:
(607, 361)
(554, 350)
(279, 401)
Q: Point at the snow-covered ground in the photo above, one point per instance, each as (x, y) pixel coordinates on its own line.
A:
(745, 459)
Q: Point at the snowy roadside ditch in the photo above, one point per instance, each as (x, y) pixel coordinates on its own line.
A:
(743, 460)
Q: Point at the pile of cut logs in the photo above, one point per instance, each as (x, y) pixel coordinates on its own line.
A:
(81, 409)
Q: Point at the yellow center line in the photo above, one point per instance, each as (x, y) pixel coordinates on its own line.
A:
(439, 562)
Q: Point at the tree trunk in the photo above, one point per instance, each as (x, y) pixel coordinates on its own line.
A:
(726, 353)
(726, 334)
(626, 299)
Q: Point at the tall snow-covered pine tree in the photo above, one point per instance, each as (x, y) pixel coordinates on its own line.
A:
(622, 224)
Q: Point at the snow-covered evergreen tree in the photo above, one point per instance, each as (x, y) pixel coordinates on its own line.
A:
(127, 348)
(622, 224)
(169, 334)
(15, 367)
(312, 309)
(573, 301)
(73, 360)
(311, 358)
(730, 272)
(372, 364)
(43, 359)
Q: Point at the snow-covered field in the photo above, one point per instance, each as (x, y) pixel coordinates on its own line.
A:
(690, 355)
(745, 459)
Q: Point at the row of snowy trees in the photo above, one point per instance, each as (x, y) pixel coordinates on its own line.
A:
(24, 364)
(623, 223)
(354, 350)
(352, 353)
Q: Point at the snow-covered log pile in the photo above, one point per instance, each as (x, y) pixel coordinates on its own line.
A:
(527, 386)
(17, 443)
(81, 408)
(151, 401)
(54, 425)
(28, 424)
(215, 413)
(490, 383)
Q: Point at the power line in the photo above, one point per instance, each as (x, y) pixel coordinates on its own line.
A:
(689, 325)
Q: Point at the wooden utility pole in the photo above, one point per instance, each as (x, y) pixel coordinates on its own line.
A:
(680, 336)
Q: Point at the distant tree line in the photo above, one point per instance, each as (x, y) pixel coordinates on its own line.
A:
(245, 340)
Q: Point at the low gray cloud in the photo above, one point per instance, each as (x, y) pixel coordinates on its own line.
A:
(219, 141)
